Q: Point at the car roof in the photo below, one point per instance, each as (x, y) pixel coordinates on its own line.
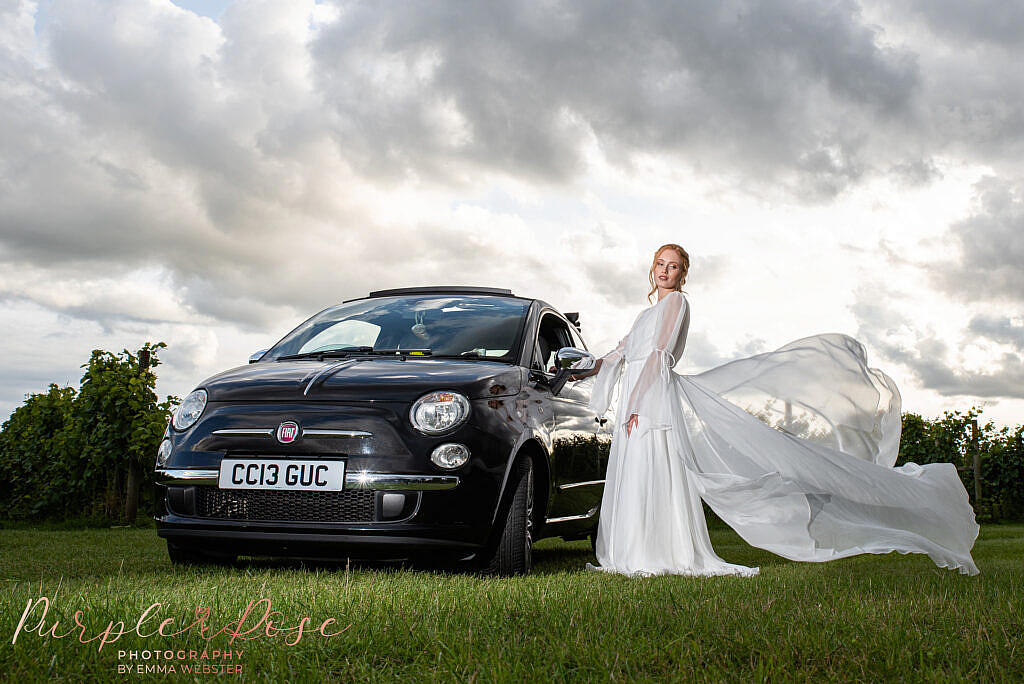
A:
(573, 316)
(438, 289)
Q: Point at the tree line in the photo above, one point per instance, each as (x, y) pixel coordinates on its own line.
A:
(88, 454)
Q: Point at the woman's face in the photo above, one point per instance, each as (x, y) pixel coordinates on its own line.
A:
(668, 269)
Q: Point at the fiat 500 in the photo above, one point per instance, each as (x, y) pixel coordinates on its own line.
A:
(421, 423)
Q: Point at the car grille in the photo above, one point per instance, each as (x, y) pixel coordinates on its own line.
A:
(243, 504)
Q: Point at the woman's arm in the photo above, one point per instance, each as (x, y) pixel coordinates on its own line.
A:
(608, 368)
(586, 374)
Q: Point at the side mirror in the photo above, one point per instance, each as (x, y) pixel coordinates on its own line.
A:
(568, 361)
(256, 356)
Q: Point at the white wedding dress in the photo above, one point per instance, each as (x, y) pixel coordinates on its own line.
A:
(794, 449)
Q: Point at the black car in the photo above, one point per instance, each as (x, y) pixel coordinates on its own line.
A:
(421, 422)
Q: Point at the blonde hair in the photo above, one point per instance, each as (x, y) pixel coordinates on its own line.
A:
(683, 257)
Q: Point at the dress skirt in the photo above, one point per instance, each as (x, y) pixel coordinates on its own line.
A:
(652, 519)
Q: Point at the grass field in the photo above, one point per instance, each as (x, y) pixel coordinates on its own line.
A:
(863, 618)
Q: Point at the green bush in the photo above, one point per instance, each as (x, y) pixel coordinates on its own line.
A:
(39, 457)
(954, 438)
(86, 455)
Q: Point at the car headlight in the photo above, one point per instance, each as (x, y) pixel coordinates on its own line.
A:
(163, 452)
(439, 412)
(189, 410)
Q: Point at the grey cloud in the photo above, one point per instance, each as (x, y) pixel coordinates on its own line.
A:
(915, 172)
(708, 269)
(98, 311)
(998, 329)
(881, 327)
(123, 178)
(702, 354)
(970, 100)
(984, 269)
(991, 243)
(995, 21)
(778, 90)
(619, 284)
(926, 360)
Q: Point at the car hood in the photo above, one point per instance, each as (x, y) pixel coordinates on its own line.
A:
(361, 379)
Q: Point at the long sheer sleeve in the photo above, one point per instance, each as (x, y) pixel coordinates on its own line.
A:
(607, 378)
(651, 396)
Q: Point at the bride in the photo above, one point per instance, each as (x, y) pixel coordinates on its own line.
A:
(794, 449)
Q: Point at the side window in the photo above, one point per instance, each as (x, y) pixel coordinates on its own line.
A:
(552, 336)
(577, 341)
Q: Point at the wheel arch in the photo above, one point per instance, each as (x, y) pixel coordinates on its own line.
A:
(541, 482)
(531, 446)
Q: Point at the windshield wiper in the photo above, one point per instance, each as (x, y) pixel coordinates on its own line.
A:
(324, 353)
(354, 351)
(474, 356)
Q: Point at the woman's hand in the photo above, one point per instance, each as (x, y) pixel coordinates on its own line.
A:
(631, 423)
(586, 374)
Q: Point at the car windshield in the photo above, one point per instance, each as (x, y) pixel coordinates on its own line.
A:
(470, 326)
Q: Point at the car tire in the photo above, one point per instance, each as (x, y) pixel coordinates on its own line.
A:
(513, 552)
(185, 555)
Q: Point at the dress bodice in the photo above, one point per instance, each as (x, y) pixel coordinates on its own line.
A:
(653, 345)
(640, 342)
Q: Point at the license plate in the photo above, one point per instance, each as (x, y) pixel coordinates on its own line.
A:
(292, 474)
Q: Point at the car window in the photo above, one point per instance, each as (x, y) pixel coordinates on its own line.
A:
(577, 339)
(552, 335)
(469, 326)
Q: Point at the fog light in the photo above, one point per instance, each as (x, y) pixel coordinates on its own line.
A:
(163, 452)
(391, 504)
(450, 455)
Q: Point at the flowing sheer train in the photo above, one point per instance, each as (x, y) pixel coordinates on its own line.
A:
(794, 449)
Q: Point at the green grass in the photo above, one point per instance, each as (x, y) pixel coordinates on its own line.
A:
(862, 618)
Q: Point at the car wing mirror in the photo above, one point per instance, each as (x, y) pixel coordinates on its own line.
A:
(256, 356)
(570, 360)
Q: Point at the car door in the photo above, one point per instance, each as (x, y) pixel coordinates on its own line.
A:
(576, 460)
(602, 425)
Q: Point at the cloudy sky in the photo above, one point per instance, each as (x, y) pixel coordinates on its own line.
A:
(209, 174)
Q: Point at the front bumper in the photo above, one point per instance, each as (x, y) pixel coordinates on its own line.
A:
(301, 543)
(376, 515)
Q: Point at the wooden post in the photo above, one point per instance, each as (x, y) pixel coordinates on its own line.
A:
(131, 502)
(788, 425)
(976, 456)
